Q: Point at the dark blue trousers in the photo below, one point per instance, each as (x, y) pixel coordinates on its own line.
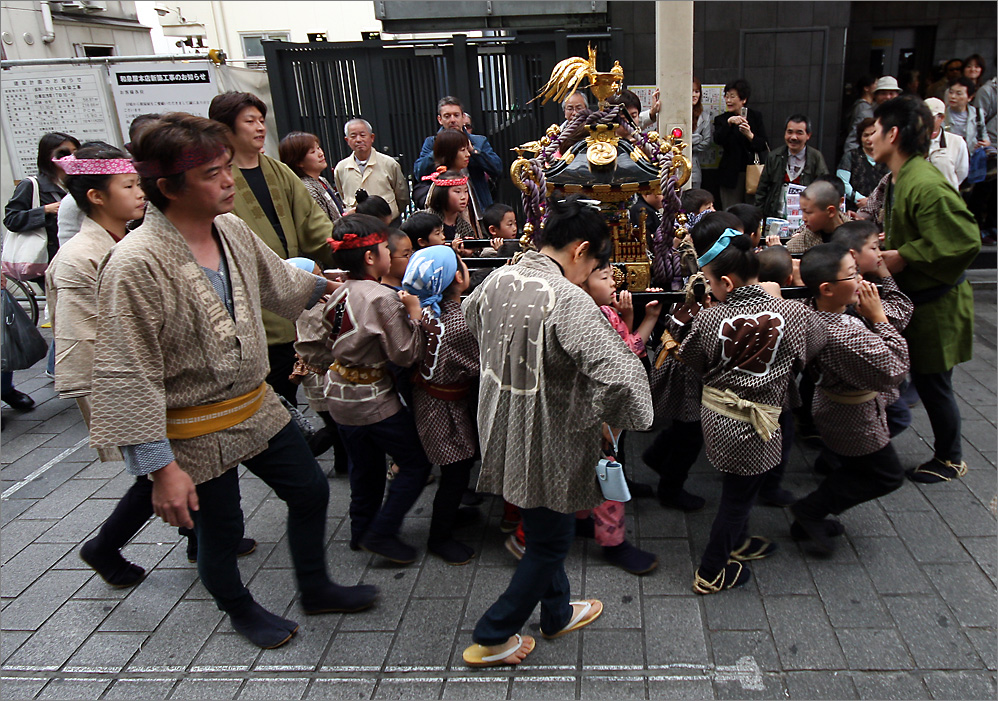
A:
(366, 447)
(540, 577)
(287, 467)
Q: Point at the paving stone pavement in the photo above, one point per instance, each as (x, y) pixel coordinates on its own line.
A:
(905, 608)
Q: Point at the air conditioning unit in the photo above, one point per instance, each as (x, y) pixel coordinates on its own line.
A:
(93, 6)
(72, 5)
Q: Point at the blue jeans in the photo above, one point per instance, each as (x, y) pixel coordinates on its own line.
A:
(50, 364)
(287, 467)
(540, 577)
(366, 447)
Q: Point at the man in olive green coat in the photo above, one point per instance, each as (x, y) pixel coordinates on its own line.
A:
(272, 200)
(931, 238)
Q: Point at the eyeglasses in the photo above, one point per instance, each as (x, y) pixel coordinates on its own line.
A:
(575, 108)
(854, 276)
(405, 255)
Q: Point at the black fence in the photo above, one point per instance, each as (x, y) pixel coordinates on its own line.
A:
(395, 86)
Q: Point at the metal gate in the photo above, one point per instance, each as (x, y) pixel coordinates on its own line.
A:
(395, 86)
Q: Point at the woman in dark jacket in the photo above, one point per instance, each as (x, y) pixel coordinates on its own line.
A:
(741, 133)
(19, 215)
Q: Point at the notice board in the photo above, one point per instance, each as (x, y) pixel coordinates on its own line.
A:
(143, 88)
(35, 102)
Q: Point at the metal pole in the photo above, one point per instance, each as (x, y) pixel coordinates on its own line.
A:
(98, 60)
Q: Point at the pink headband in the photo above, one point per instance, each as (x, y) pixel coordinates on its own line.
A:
(188, 159)
(71, 165)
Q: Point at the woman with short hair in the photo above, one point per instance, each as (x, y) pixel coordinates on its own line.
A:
(301, 152)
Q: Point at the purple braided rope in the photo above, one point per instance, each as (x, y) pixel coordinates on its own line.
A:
(577, 120)
(667, 264)
(533, 198)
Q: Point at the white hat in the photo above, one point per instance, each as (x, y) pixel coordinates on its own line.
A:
(887, 82)
(935, 105)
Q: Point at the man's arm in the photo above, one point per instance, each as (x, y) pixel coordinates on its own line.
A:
(487, 159)
(399, 185)
(767, 182)
(424, 164)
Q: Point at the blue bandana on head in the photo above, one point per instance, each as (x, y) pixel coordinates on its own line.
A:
(302, 263)
(718, 246)
(430, 271)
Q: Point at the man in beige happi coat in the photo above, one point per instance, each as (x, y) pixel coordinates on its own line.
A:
(179, 368)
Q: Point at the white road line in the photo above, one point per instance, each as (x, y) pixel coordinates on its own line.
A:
(43, 469)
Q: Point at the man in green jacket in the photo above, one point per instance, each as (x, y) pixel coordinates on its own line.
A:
(931, 238)
(272, 200)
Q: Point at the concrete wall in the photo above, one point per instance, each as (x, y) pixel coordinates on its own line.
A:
(783, 69)
(224, 21)
(961, 29)
(118, 26)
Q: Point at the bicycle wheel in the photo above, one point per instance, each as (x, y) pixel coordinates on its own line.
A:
(24, 296)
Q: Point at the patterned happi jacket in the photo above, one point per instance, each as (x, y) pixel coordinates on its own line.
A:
(447, 426)
(675, 387)
(552, 371)
(311, 348)
(857, 357)
(367, 326)
(165, 340)
(71, 296)
(753, 344)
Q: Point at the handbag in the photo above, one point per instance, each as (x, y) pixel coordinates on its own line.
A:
(610, 474)
(303, 424)
(753, 171)
(23, 344)
(25, 253)
(978, 167)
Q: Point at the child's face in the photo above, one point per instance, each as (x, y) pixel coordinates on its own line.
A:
(382, 261)
(843, 291)
(457, 198)
(507, 227)
(756, 236)
(654, 199)
(462, 284)
(814, 216)
(400, 258)
(600, 285)
(437, 237)
(123, 200)
(868, 258)
(718, 288)
(709, 207)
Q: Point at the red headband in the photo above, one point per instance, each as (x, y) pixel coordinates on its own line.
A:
(437, 180)
(354, 241)
(189, 158)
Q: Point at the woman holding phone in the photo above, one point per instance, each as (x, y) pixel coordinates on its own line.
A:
(742, 135)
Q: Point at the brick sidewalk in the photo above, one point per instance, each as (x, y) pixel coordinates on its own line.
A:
(906, 607)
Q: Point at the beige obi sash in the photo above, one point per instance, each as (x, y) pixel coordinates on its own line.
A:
(765, 418)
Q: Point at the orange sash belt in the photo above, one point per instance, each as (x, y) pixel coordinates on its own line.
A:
(194, 421)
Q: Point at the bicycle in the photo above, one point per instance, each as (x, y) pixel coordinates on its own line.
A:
(23, 295)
